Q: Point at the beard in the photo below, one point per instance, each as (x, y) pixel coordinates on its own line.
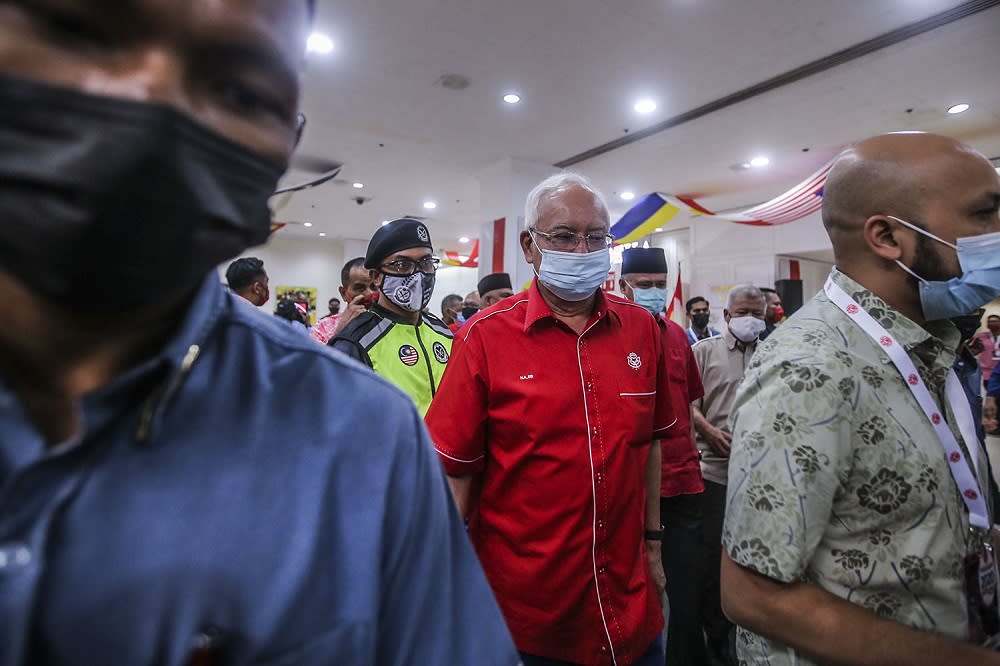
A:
(927, 262)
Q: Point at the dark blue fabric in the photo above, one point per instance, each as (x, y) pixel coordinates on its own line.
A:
(993, 383)
(967, 368)
(286, 500)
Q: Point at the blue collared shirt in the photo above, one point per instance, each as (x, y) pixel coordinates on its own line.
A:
(246, 491)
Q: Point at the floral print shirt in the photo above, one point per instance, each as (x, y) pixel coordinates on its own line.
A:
(838, 478)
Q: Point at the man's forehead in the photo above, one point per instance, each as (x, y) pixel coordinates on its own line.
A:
(650, 277)
(572, 207)
(277, 25)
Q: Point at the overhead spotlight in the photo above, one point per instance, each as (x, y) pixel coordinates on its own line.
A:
(307, 224)
(958, 108)
(659, 229)
(322, 233)
(512, 98)
(627, 196)
(463, 239)
(358, 186)
(645, 106)
(319, 43)
(759, 161)
(430, 205)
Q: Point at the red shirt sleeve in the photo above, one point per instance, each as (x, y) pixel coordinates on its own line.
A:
(695, 389)
(457, 416)
(665, 417)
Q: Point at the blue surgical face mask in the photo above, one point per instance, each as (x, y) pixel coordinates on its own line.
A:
(653, 299)
(979, 283)
(573, 276)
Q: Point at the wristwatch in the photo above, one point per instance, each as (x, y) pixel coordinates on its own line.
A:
(654, 535)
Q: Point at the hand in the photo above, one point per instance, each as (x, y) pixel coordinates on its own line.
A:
(975, 346)
(718, 440)
(654, 555)
(357, 305)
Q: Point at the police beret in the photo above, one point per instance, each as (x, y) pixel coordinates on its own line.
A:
(401, 234)
(644, 260)
(493, 282)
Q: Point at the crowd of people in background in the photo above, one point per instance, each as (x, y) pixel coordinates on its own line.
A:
(534, 477)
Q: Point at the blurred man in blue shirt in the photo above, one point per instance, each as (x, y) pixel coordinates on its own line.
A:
(175, 484)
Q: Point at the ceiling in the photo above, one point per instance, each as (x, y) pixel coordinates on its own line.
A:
(376, 103)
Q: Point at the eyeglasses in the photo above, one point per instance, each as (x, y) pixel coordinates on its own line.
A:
(410, 266)
(565, 241)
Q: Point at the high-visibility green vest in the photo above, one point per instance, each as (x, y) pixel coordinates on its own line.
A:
(411, 357)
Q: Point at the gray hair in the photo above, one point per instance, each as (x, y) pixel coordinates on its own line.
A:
(747, 291)
(553, 185)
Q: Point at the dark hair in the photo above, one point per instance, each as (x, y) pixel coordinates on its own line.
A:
(448, 299)
(345, 272)
(244, 272)
(993, 316)
(332, 299)
(286, 309)
(768, 290)
(692, 301)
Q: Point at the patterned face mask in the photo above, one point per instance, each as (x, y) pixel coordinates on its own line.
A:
(410, 292)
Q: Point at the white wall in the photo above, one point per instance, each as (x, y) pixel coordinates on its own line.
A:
(453, 280)
(300, 263)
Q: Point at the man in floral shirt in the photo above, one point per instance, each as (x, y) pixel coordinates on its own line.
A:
(845, 534)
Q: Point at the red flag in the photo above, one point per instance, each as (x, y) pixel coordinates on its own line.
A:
(676, 304)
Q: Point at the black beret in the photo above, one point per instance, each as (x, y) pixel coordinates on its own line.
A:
(401, 234)
(494, 282)
(644, 260)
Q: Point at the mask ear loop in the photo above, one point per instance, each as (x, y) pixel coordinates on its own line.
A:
(923, 231)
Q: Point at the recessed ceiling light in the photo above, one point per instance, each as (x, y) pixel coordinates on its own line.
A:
(322, 233)
(512, 98)
(645, 106)
(958, 108)
(627, 196)
(385, 222)
(659, 228)
(760, 161)
(307, 224)
(430, 205)
(358, 186)
(463, 239)
(319, 43)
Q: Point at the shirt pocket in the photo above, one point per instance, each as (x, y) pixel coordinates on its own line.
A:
(636, 407)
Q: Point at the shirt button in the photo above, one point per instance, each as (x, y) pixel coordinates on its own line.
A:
(600, 524)
(14, 556)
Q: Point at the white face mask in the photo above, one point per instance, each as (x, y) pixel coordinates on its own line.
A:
(747, 329)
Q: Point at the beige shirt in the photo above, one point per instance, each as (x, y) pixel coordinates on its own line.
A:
(722, 366)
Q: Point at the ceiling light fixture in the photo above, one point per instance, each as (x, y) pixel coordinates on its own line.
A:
(430, 205)
(307, 224)
(322, 233)
(659, 228)
(358, 186)
(512, 98)
(463, 239)
(627, 196)
(759, 161)
(319, 43)
(645, 106)
(958, 108)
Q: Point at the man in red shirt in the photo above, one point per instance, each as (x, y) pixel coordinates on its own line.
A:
(548, 409)
(644, 282)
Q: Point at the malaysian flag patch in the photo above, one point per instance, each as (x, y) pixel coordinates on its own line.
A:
(408, 355)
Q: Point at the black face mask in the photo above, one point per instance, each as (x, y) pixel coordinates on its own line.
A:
(700, 320)
(967, 325)
(469, 312)
(108, 205)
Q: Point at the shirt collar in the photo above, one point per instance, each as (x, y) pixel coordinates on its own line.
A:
(538, 309)
(906, 331)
